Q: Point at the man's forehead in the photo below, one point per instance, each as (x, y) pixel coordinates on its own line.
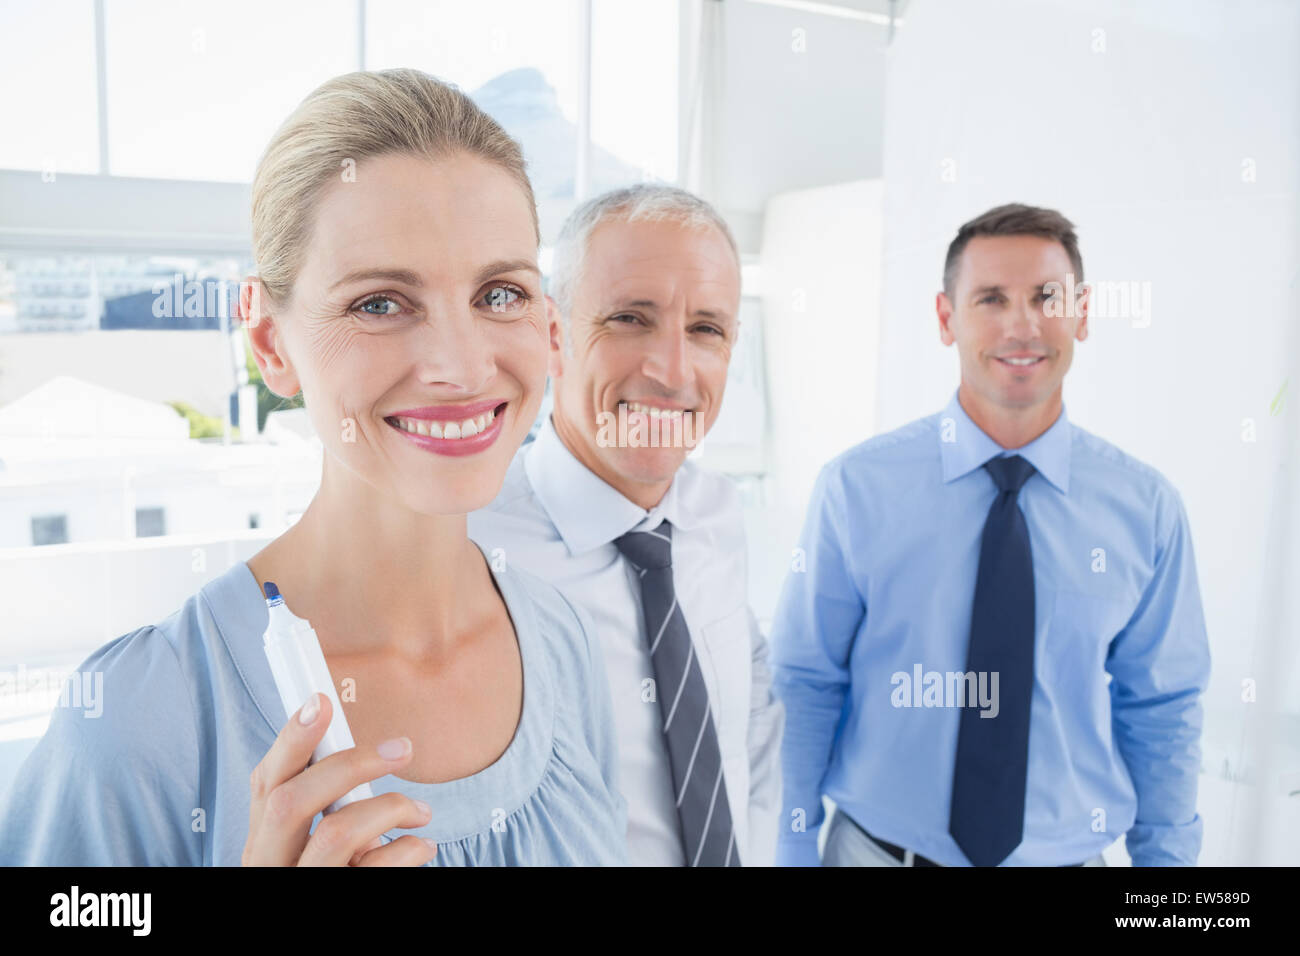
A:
(654, 292)
(1012, 261)
(627, 269)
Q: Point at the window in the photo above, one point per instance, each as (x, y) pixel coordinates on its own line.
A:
(167, 104)
(189, 96)
(634, 95)
(47, 68)
(72, 292)
(519, 61)
(50, 529)
(590, 89)
(149, 523)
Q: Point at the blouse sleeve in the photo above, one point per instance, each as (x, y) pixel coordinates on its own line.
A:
(114, 781)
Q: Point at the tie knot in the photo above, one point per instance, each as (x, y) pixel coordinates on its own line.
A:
(1010, 473)
(648, 549)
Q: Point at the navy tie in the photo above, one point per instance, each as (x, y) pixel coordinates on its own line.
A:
(707, 834)
(988, 787)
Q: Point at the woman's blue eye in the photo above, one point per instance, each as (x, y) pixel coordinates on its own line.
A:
(500, 298)
(380, 300)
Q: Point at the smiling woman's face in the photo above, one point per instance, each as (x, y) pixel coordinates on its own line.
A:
(417, 328)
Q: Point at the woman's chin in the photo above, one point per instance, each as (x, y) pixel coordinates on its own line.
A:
(452, 497)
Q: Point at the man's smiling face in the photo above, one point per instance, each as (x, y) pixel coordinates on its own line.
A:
(652, 325)
(1007, 316)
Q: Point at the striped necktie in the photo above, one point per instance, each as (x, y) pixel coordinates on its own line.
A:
(707, 834)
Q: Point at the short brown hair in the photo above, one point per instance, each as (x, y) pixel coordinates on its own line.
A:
(1014, 219)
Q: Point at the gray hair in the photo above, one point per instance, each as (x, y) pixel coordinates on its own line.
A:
(644, 202)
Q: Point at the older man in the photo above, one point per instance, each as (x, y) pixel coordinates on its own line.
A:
(645, 293)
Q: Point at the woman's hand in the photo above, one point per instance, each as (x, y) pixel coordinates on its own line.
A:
(287, 794)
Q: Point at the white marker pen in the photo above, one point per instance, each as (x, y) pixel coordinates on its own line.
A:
(299, 669)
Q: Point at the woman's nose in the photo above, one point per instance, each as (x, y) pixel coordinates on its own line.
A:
(452, 350)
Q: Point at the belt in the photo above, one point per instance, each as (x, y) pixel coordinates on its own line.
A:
(896, 851)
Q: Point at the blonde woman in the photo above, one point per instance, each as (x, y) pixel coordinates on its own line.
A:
(396, 238)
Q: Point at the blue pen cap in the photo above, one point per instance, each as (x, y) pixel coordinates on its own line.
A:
(272, 594)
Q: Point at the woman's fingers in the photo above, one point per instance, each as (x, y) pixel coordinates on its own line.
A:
(373, 844)
(287, 792)
(280, 844)
(409, 850)
(342, 835)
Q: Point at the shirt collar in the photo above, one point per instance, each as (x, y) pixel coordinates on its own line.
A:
(964, 446)
(586, 510)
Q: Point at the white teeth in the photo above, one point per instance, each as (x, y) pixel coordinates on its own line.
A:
(1021, 361)
(653, 411)
(436, 429)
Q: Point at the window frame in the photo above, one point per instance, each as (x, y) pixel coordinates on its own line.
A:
(106, 212)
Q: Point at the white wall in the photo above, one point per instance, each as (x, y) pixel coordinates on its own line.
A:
(1143, 144)
(821, 280)
(800, 105)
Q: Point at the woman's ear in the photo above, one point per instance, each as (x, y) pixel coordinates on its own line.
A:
(265, 339)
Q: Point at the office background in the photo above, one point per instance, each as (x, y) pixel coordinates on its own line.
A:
(844, 142)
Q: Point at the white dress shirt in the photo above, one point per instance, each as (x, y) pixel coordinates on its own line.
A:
(559, 520)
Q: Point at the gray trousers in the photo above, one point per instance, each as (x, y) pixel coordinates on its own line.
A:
(848, 845)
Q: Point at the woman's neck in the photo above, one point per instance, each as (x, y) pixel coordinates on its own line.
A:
(373, 576)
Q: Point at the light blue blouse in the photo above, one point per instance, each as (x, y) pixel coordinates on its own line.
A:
(188, 708)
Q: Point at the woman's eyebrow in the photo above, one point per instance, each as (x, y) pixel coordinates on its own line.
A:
(407, 277)
(404, 276)
(506, 265)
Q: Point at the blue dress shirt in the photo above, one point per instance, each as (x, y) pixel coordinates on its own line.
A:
(881, 594)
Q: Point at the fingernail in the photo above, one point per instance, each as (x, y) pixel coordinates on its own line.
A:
(309, 710)
(431, 841)
(395, 749)
(423, 807)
